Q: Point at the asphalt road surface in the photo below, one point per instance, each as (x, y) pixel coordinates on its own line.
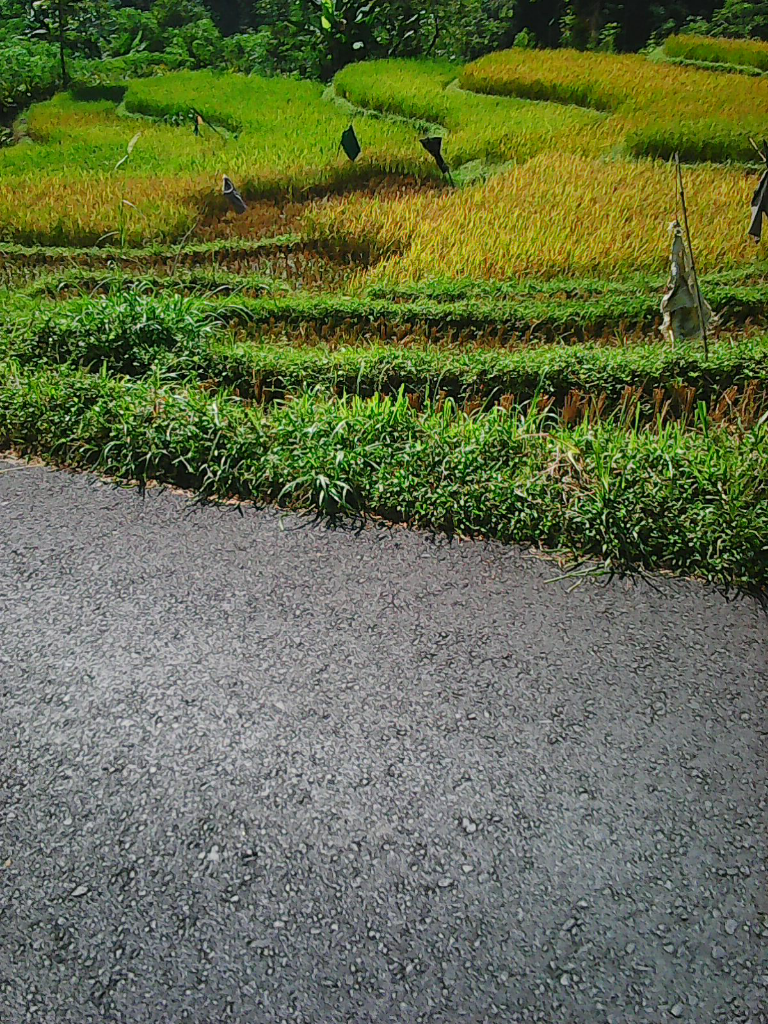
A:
(256, 770)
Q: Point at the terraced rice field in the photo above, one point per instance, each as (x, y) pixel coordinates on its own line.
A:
(367, 338)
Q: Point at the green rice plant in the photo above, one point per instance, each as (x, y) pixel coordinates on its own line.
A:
(750, 53)
(279, 138)
(220, 248)
(283, 140)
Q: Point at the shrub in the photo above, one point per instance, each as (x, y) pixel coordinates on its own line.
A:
(30, 70)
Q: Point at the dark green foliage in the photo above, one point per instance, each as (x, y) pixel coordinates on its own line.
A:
(315, 38)
(741, 19)
(30, 71)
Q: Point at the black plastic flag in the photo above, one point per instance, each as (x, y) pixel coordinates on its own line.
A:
(236, 201)
(434, 146)
(350, 144)
(759, 202)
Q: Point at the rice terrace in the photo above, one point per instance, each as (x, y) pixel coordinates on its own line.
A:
(383, 511)
(479, 351)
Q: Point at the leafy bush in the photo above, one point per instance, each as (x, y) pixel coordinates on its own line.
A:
(30, 70)
(133, 31)
(132, 333)
(250, 53)
(525, 40)
(741, 19)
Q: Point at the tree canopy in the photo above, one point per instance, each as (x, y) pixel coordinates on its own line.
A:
(315, 38)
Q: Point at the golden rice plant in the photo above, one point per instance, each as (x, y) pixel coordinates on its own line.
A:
(556, 215)
(61, 209)
(658, 108)
(750, 53)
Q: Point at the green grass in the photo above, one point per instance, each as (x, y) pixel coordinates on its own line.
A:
(659, 56)
(691, 501)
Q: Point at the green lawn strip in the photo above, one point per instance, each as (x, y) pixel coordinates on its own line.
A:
(446, 289)
(708, 65)
(203, 281)
(88, 267)
(690, 502)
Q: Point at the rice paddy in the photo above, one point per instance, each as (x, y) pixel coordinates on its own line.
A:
(738, 53)
(655, 109)
(481, 356)
(554, 215)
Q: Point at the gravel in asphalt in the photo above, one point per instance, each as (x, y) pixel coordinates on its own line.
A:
(254, 769)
